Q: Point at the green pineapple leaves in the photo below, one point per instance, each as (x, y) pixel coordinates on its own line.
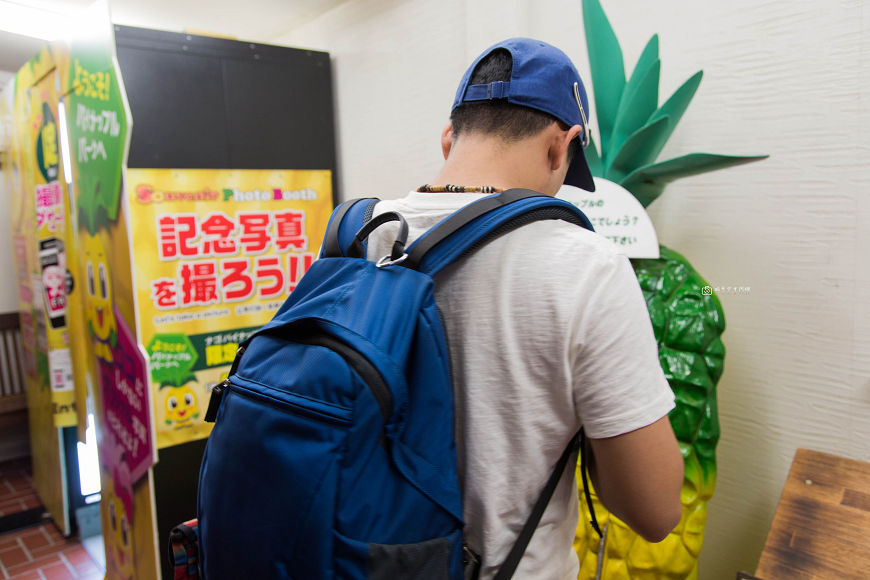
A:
(648, 182)
(633, 128)
(593, 160)
(608, 73)
(640, 149)
(639, 98)
(677, 104)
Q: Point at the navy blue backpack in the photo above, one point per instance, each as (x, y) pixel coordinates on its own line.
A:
(333, 454)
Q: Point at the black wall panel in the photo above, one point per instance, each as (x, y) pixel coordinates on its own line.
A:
(209, 103)
(296, 124)
(179, 110)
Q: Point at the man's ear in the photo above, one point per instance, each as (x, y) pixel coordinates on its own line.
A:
(562, 138)
(447, 139)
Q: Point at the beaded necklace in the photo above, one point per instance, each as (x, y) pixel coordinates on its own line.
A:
(459, 189)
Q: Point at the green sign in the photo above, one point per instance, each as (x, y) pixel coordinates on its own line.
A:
(97, 125)
(219, 348)
(172, 358)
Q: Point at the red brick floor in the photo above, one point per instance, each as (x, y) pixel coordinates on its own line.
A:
(37, 553)
(41, 553)
(16, 493)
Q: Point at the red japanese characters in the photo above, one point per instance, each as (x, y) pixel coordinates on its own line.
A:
(212, 255)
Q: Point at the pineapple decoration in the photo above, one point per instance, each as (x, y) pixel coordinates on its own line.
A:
(688, 321)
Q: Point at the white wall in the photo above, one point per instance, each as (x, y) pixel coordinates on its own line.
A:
(785, 78)
(8, 287)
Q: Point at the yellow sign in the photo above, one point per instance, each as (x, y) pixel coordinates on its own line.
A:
(216, 254)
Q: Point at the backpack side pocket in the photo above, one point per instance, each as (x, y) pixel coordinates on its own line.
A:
(278, 458)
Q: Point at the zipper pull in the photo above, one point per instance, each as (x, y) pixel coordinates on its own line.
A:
(214, 402)
(237, 360)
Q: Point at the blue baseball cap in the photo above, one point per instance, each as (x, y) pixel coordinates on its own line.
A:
(543, 78)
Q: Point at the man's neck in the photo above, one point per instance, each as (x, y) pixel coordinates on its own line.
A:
(482, 161)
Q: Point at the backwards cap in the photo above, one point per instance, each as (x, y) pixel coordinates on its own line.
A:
(543, 78)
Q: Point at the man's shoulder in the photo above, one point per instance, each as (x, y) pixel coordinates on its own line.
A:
(562, 240)
(556, 260)
(556, 241)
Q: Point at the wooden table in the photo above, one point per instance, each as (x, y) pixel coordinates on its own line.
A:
(821, 529)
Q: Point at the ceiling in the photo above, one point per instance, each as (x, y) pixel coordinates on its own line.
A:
(258, 20)
(15, 50)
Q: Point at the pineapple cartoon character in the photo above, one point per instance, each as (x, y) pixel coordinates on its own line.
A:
(180, 403)
(119, 550)
(687, 319)
(98, 308)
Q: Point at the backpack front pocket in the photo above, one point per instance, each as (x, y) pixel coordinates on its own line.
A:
(275, 462)
(435, 559)
(429, 559)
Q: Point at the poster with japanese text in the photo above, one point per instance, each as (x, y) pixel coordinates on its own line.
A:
(216, 254)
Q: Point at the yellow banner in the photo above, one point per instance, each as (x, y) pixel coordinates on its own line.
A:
(54, 281)
(216, 254)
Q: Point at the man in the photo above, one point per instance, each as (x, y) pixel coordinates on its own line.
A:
(547, 327)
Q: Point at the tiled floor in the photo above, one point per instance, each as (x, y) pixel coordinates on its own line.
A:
(16, 493)
(41, 552)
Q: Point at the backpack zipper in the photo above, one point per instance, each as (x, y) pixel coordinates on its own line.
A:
(217, 393)
(214, 402)
(289, 402)
(356, 360)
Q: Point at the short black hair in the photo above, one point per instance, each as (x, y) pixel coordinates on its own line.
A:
(498, 117)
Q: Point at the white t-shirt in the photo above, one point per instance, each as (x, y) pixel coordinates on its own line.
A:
(548, 331)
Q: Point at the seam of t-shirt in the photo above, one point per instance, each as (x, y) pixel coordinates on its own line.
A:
(631, 420)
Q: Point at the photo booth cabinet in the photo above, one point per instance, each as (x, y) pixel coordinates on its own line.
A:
(168, 192)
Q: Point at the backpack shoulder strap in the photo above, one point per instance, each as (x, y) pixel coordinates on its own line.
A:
(344, 223)
(478, 223)
(509, 566)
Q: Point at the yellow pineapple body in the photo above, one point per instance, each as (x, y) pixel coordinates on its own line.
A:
(627, 556)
